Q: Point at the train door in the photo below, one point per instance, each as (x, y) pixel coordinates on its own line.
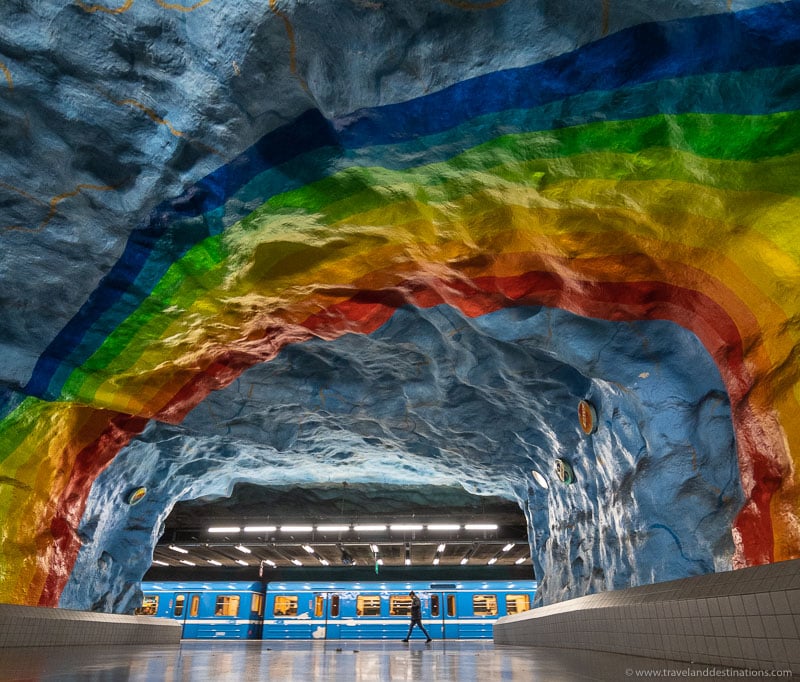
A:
(443, 615)
(326, 616)
(190, 613)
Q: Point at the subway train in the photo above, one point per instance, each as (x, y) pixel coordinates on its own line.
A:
(465, 609)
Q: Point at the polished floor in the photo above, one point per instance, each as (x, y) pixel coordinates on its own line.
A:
(354, 661)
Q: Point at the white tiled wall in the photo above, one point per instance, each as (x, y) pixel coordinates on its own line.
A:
(748, 618)
(37, 626)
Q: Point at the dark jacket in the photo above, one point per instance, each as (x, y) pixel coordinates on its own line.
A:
(416, 608)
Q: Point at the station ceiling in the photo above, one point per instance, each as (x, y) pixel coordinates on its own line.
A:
(337, 528)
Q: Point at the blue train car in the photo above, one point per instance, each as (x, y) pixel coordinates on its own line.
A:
(381, 610)
(208, 610)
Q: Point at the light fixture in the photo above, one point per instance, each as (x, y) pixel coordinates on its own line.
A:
(520, 560)
(408, 554)
(441, 547)
(188, 563)
(260, 529)
(492, 560)
(436, 561)
(174, 548)
(443, 526)
(241, 562)
(408, 561)
(379, 562)
(297, 562)
(215, 563)
(243, 549)
(406, 526)
(296, 529)
(510, 545)
(464, 561)
(224, 529)
(374, 548)
(308, 548)
(332, 529)
(160, 563)
(269, 562)
(369, 528)
(480, 526)
(324, 562)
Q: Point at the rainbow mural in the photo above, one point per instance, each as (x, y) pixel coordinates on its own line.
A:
(647, 175)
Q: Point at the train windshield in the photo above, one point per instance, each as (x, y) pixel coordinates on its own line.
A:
(434, 605)
(179, 602)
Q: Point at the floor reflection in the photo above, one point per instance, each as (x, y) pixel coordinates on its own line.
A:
(354, 661)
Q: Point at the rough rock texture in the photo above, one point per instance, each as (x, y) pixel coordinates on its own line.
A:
(294, 241)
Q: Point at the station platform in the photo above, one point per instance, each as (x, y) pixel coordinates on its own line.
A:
(347, 660)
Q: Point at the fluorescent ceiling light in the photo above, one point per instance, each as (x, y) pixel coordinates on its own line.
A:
(408, 561)
(520, 560)
(243, 563)
(379, 562)
(269, 562)
(508, 546)
(243, 549)
(179, 549)
(436, 561)
(481, 526)
(374, 549)
(372, 527)
(443, 526)
(188, 563)
(406, 526)
(160, 563)
(215, 563)
(464, 561)
(332, 529)
(297, 562)
(296, 529)
(260, 529)
(441, 547)
(308, 548)
(224, 529)
(492, 560)
(324, 562)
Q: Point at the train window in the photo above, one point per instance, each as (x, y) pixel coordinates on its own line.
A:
(227, 605)
(149, 606)
(368, 605)
(285, 605)
(516, 603)
(194, 607)
(335, 605)
(180, 600)
(258, 604)
(399, 605)
(484, 604)
(319, 604)
(451, 605)
(434, 605)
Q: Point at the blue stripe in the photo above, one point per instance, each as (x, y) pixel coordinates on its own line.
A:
(764, 37)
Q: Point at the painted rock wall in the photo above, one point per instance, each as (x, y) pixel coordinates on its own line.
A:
(431, 239)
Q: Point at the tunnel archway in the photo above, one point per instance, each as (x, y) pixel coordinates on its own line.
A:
(434, 397)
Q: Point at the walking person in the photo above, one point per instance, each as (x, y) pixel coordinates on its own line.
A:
(416, 616)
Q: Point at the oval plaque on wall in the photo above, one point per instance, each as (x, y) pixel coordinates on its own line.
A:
(587, 416)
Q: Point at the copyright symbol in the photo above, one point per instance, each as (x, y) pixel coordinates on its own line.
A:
(628, 672)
